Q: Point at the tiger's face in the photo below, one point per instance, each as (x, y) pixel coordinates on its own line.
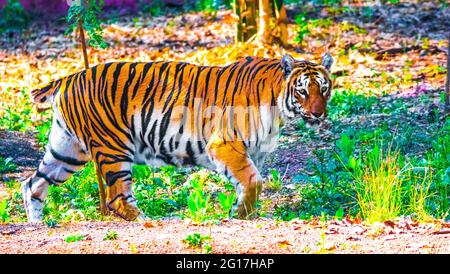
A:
(308, 88)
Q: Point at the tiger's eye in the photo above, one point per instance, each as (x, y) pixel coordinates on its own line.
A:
(324, 89)
(301, 91)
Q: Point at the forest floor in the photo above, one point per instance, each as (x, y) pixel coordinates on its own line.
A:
(233, 236)
(394, 52)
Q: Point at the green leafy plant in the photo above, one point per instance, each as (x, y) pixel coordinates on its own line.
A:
(274, 182)
(76, 199)
(51, 223)
(13, 17)
(7, 165)
(198, 201)
(339, 214)
(43, 132)
(15, 211)
(208, 6)
(110, 235)
(74, 238)
(88, 11)
(155, 8)
(160, 193)
(346, 102)
(198, 240)
(386, 185)
(329, 2)
(444, 4)
(327, 189)
(417, 188)
(304, 25)
(4, 211)
(226, 201)
(439, 160)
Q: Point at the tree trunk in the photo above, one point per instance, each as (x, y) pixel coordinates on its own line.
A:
(83, 43)
(280, 12)
(239, 29)
(246, 25)
(251, 28)
(264, 30)
(447, 83)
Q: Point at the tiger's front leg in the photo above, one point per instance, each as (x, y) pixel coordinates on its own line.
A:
(232, 159)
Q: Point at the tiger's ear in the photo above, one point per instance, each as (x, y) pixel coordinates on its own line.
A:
(287, 64)
(327, 61)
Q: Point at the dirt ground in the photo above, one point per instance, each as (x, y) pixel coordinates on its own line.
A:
(23, 148)
(234, 236)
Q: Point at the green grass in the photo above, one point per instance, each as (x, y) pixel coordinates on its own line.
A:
(379, 184)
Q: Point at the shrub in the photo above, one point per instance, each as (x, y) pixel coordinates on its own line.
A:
(13, 17)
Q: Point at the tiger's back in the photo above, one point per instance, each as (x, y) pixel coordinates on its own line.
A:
(163, 110)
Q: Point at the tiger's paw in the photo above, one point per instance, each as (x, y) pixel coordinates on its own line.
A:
(125, 209)
(33, 206)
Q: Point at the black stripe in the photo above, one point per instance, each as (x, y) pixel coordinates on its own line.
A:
(48, 179)
(68, 160)
(191, 155)
(112, 177)
(36, 199)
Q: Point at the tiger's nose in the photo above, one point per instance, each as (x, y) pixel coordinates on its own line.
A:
(316, 114)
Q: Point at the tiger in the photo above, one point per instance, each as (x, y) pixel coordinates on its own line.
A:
(223, 118)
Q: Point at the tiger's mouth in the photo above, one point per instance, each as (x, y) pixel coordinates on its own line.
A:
(313, 122)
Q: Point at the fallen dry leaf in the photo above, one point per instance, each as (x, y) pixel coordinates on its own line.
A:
(283, 244)
(389, 223)
(151, 224)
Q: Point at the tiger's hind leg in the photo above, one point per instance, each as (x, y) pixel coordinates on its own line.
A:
(116, 171)
(64, 156)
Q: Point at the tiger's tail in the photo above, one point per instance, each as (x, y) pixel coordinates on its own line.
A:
(46, 93)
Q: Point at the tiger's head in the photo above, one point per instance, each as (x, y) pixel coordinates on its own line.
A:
(307, 90)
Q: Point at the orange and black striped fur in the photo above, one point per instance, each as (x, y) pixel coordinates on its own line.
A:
(222, 118)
